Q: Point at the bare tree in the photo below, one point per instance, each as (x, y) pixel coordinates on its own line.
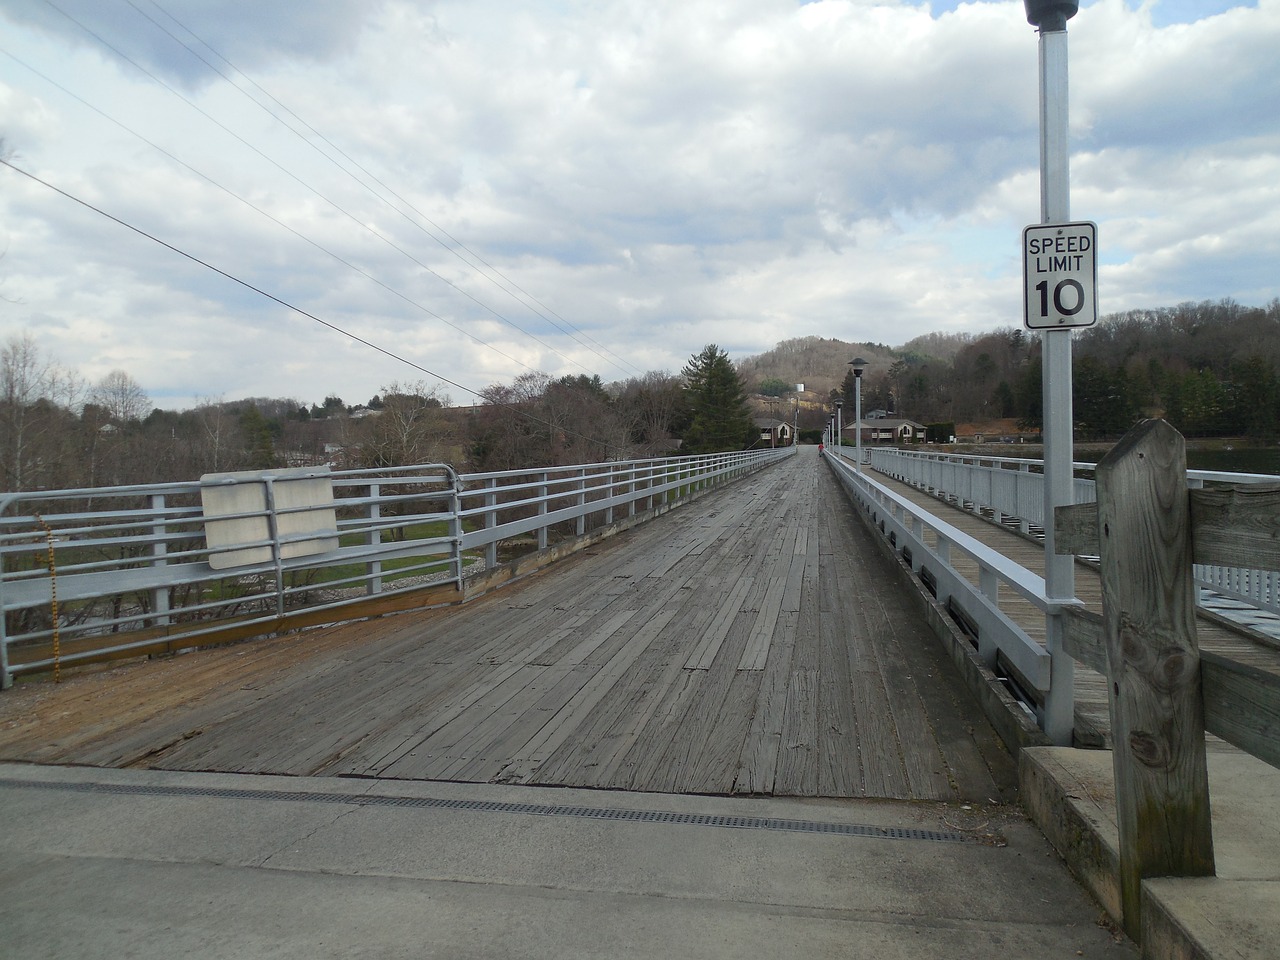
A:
(409, 428)
(36, 396)
(652, 406)
(121, 398)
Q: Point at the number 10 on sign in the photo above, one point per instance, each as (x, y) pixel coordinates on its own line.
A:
(1059, 266)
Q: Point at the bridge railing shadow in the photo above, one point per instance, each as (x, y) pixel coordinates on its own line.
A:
(933, 548)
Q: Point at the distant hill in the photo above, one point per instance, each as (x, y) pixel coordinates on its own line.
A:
(820, 363)
(1211, 368)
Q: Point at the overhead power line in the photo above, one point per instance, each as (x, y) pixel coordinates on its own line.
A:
(336, 206)
(252, 206)
(287, 305)
(504, 283)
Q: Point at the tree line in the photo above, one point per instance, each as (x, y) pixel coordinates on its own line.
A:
(1211, 368)
(59, 432)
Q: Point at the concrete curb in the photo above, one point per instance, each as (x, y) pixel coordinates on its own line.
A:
(1070, 794)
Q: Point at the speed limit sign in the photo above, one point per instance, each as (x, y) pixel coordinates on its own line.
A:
(1059, 267)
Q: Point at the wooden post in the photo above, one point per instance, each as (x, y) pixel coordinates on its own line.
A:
(1157, 714)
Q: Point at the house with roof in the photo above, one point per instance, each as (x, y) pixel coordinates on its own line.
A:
(773, 432)
(885, 430)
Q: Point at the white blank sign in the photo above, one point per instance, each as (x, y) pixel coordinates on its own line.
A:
(306, 520)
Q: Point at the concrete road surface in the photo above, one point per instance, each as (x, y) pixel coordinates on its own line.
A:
(148, 864)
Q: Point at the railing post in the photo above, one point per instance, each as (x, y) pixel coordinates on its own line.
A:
(989, 584)
(1157, 712)
(374, 567)
(631, 490)
(491, 521)
(159, 595)
(6, 677)
(542, 509)
(580, 526)
(273, 527)
(455, 525)
(943, 549)
(1024, 477)
(608, 513)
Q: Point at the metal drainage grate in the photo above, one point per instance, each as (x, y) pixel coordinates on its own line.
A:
(493, 806)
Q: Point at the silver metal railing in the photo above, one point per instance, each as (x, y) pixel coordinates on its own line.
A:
(1011, 491)
(94, 573)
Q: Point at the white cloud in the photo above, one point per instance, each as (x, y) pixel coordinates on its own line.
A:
(660, 175)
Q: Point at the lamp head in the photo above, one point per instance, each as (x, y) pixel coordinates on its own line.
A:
(858, 365)
(1050, 15)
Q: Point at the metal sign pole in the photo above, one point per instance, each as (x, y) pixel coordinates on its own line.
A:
(1051, 16)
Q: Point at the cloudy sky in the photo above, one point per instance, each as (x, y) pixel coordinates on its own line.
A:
(487, 187)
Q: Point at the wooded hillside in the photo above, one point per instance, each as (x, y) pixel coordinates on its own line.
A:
(1211, 368)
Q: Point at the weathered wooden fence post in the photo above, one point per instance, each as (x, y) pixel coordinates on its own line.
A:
(1157, 714)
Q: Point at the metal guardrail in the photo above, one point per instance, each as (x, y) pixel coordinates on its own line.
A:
(931, 546)
(1012, 491)
(94, 573)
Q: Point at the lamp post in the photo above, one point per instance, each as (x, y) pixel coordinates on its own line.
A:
(858, 365)
(1050, 18)
(839, 427)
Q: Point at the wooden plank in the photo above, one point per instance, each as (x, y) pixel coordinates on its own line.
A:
(1157, 716)
(706, 716)
(903, 679)
(477, 752)
(1083, 638)
(564, 723)
(757, 650)
(490, 676)
(705, 652)
(646, 767)
(1242, 705)
(583, 650)
(882, 763)
(602, 754)
(758, 761)
(718, 764)
(1237, 526)
(1234, 526)
(490, 749)
(839, 760)
(797, 773)
(1241, 702)
(1075, 530)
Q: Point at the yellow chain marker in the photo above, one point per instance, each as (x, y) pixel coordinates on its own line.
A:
(53, 597)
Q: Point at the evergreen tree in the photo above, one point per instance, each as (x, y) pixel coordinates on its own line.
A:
(718, 403)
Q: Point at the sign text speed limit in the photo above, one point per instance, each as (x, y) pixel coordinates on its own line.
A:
(1059, 266)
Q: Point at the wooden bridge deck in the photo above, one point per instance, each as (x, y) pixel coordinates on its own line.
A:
(751, 642)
